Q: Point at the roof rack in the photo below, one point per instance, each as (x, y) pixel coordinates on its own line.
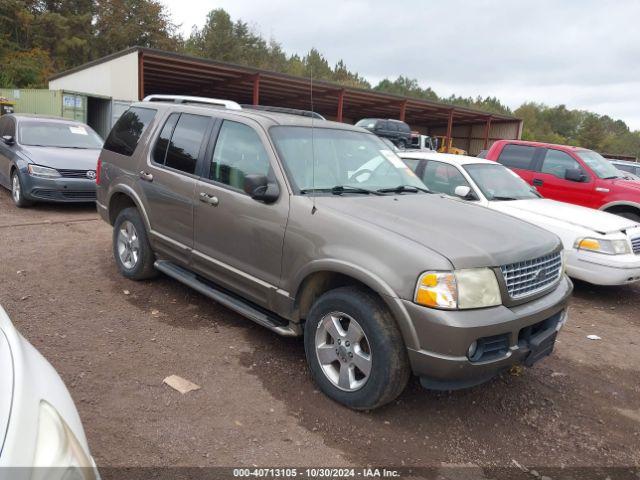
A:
(290, 111)
(193, 100)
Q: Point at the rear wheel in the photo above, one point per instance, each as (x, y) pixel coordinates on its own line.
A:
(630, 215)
(355, 350)
(17, 192)
(131, 248)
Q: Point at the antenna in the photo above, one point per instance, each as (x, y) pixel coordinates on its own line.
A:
(313, 147)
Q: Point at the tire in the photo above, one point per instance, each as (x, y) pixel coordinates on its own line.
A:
(382, 343)
(17, 191)
(131, 249)
(630, 215)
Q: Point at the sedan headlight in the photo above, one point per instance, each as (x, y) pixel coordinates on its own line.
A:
(45, 172)
(609, 247)
(58, 449)
(460, 289)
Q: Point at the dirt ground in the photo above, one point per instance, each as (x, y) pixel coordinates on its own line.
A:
(258, 406)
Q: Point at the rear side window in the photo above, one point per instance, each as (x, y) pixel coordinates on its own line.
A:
(160, 149)
(239, 152)
(186, 141)
(403, 127)
(517, 156)
(126, 133)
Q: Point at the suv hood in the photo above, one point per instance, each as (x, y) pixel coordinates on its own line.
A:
(64, 158)
(467, 235)
(631, 185)
(543, 208)
(6, 386)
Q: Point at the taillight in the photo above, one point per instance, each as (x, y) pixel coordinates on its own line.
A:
(98, 169)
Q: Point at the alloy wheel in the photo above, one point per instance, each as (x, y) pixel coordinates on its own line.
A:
(15, 188)
(128, 244)
(343, 351)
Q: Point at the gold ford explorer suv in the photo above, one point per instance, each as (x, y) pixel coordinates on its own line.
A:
(317, 229)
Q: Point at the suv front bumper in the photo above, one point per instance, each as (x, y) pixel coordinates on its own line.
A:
(506, 335)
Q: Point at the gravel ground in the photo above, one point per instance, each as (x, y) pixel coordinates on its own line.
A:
(114, 341)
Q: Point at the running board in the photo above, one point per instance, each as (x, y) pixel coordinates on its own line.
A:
(270, 321)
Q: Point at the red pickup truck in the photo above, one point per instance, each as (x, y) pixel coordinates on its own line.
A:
(570, 174)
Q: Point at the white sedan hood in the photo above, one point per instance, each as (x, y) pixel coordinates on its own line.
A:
(537, 209)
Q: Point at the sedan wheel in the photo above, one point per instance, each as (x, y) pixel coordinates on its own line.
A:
(128, 245)
(343, 351)
(16, 192)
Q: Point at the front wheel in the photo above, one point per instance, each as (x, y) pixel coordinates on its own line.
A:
(355, 350)
(630, 215)
(17, 192)
(131, 247)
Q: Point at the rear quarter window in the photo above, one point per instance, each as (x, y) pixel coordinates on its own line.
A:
(126, 133)
(517, 156)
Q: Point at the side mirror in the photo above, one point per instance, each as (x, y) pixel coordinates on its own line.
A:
(462, 191)
(8, 139)
(259, 188)
(574, 175)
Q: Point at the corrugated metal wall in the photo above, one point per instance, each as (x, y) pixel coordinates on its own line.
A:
(43, 102)
(471, 137)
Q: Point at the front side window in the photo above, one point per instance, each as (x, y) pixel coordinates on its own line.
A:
(58, 134)
(517, 156)
(126, 133)
(625, 168)
(239, 152)
(557, 163)
(186, 141)
(600, 166)
(443, 178)
(324, 158)
(499, 183)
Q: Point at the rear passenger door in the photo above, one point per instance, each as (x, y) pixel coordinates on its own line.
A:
(238, 240)
(521, 159)
(169, 181)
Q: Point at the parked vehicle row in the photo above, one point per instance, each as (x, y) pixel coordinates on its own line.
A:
(600, 248)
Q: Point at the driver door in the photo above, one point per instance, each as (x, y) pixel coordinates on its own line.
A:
(551, 182)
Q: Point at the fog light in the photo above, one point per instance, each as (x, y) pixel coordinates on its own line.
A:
(473, 348)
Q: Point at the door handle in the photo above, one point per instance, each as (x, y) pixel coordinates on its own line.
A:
(537, 182)
(210, 199)
(146, 176)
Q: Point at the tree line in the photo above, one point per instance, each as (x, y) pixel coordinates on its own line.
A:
(41, 37)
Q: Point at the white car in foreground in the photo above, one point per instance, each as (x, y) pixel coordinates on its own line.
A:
(41, 436)
(600, 248)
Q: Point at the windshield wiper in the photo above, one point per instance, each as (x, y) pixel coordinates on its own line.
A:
(404, 188)
(340, 189)
(497, 197)
(612, 177)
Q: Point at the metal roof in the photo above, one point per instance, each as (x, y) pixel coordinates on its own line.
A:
(172, 73)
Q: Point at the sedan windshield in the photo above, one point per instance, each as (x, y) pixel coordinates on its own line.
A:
(600, 166)
(322, 159)
(499, 183)
(58, 134)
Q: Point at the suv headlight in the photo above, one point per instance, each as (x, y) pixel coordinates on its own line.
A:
(58, 449)
(460, 289)
(40, 171)
(609, 247)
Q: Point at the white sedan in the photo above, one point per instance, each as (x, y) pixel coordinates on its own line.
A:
(41, 436)
(600, 248)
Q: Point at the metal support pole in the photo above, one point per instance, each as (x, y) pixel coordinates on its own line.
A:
(256, 89)
(449, 140)
(487, 126)
(403, 110)
(340, 105)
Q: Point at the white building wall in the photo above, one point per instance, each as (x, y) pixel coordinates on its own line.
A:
(117, 78)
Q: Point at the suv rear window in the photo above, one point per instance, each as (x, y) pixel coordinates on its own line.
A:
(517, 156)
(127, 131)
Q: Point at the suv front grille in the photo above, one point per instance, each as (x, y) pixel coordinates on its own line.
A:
(635, 244)
(73, 173)
(532, 276)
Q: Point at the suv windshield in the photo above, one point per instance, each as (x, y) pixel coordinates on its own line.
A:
(58, 134)
(600, 166)
(342, 158)
(499, 183)
(367, 123)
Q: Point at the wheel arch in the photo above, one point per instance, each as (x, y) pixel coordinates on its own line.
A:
(621, 206)
(323, 276)
(123, 197)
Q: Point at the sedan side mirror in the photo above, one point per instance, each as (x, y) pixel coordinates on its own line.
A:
(574, 175)
(463, 191)
(8, 139)
(259, 188)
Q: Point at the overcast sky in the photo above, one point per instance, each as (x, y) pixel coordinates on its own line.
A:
(583, 53)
